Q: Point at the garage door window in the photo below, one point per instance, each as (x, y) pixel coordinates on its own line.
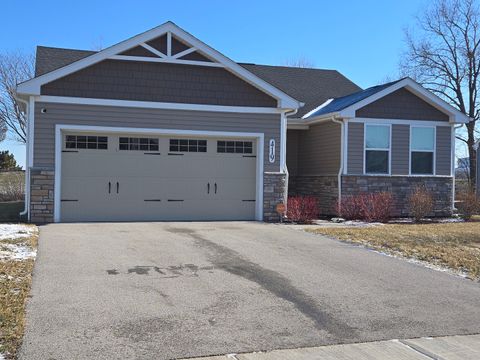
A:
(237, 147)
(188, 145)
(86, 142)
(142, 144)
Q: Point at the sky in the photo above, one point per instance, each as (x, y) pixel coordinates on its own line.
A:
(363, 40)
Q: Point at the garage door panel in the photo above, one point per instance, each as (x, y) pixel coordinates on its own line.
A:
(157, 187)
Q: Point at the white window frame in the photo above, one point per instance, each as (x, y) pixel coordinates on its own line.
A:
(410, 150)
(389, 172)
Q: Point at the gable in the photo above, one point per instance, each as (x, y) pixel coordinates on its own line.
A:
(159, 82)
(177, 39)
(401, 104)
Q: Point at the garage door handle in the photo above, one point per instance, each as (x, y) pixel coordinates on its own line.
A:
(208, 188)
(118, 187)
(109, 187)
(215, 188)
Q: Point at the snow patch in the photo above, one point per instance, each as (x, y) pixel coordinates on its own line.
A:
(14, 231)
(16, 252)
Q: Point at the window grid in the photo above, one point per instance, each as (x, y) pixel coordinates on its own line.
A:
(419, 154)
(141, 144)
(188, 145)
(371, 152)
(86, 142)
(235, 147)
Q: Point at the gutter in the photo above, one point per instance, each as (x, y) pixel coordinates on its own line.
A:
(27, 158)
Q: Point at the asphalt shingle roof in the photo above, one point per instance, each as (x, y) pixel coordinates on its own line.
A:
(343, 102)
(310, 86)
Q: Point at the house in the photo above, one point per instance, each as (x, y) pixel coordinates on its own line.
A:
(163, 127)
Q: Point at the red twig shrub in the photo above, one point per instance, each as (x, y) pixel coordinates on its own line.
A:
(374, 207)
(302, 209)
(468, 204)
(420, 203)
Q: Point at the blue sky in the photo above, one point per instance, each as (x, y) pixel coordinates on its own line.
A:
(361, 39)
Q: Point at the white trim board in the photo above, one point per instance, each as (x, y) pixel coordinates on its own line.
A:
(59, 128)
(156, 105)
(400, 122)
(32, 87)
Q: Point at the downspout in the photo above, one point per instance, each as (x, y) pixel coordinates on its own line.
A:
(284, 146)
(27, 158)
(453, 163)
(342, 145)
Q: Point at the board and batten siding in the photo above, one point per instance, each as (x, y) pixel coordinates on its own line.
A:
(400, 149)
(319, 149)
(94, 115)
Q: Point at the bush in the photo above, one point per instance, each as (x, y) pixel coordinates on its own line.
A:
(374, 207)
(420, 203)
(468, 204)
(12, 186)
(302, 209)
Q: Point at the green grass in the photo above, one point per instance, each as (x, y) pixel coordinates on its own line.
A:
(9, 211)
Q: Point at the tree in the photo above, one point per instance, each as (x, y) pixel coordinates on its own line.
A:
(300, 62)
(14, 69)
(445, 58)
(7, 161)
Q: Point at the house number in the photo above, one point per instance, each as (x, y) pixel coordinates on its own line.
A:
(271, 151)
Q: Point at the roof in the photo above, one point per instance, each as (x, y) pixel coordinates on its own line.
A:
(336, 104)
(310, 86)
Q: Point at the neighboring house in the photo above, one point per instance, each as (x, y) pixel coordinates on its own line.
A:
(163, 127)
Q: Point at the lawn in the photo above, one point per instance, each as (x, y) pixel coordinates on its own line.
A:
(18, 245)
(452, 245)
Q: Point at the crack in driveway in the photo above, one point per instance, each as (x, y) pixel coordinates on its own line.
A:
(232, 262)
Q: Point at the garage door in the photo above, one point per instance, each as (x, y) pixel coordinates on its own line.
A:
(111, 177)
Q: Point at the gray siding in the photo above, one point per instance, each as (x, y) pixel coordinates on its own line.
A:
(401, 104)
(355, 148)
(69, 114)
(160, 82)
(319, 149)
(400, 149)
(292, 151)
(443, 154)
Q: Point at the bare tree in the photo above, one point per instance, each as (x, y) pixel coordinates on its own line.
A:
(14, 68)
(445, 57)
(300, 62)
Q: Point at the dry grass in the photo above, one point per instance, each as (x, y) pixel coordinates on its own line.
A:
(15, 282)
(455, 245)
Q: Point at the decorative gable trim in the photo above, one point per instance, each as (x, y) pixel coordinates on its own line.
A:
(32, 87)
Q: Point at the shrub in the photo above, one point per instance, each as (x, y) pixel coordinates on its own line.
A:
(12, 186)
(468, 204)
(374, 207)
(420, 203)
(302, 209)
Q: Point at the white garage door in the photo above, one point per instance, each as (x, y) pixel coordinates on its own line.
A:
(111, 177)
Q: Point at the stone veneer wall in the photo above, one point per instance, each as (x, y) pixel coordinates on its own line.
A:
(400, 187)
(41, 195)
(273, 194)
(324, 188)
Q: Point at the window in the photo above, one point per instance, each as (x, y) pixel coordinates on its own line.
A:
(188, 145)
(237, 147)
(86, 142)
(142, 144)
(422, 149)
(377, 149)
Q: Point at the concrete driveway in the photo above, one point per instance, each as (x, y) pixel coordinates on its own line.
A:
(172, 290)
